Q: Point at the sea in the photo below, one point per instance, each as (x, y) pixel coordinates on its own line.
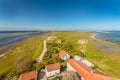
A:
(11, 37)
(113, 36)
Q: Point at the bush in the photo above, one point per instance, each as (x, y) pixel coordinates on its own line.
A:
(68, 47)
(12, 75)
(2, 76)
(39, 66)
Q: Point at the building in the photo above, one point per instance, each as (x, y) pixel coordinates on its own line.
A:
(78, 57)
(52, 69)
(64, 55)
(82, 41)
(88, 63)
(59, 41)
(85, 71)
(32, 75)
(51, 38)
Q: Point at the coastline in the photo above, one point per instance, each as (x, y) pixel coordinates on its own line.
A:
(99, 60)
(5, 48)
(110, 54)
(93, 36)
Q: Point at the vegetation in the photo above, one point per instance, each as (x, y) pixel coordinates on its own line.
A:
(51, 55)
(53, 49)
(106, 61)
(20, 58)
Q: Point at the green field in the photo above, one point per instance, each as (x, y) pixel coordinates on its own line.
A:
(105, 60)
(20, 58)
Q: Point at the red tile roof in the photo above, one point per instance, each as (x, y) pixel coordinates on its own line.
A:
(51, 67)
(85, 71)
(28, 75)
(62, 53)
(59, 40)
(100, 73)
(84, 66)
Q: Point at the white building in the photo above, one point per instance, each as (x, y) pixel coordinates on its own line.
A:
(59, 41)
(52, 69)
(64, 55)
(78, 67)
(85, 72)
(88, 63)
(51, 38)
(70, 68)
(78, 58)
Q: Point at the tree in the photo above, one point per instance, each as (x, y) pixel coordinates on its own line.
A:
(12, 75)
(67, 47)
(39, 66)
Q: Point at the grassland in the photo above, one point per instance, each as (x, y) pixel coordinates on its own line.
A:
(106, 61)
(20, 57)
(24, 53)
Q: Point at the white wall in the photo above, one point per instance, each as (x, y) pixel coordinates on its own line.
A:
(70, 68)
(87, 63)
(66, 57)
(51, 73)
(78, 58)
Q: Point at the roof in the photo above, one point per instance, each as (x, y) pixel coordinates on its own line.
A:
(28, 75)
(62, 53)
(86, 72)
(100, 73)
(88, 63)
(59, 40)
(78, 57)
(76, 64)
(51, 67)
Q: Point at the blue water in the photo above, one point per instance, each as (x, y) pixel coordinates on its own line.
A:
(113, 36)
(11, 37)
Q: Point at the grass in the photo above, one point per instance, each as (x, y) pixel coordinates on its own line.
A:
(106, 61)
(21, 55)
(38, 50)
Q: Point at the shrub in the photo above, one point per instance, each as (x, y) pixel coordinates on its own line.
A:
(39, 66)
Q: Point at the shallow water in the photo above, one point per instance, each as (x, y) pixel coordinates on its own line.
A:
(11, 37)
(113, 36)
(106, 47)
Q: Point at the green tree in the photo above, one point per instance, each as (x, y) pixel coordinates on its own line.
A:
(39, 66)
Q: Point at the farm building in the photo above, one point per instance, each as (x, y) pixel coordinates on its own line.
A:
(85, 72)
(32, 75)
(52, 69)
(64, 55)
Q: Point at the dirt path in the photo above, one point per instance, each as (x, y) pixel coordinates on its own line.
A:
(39, 59)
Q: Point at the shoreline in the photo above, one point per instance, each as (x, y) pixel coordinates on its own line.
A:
(93, 36)
(5, 48)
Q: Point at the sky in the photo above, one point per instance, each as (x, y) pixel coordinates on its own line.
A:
(59, 14)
